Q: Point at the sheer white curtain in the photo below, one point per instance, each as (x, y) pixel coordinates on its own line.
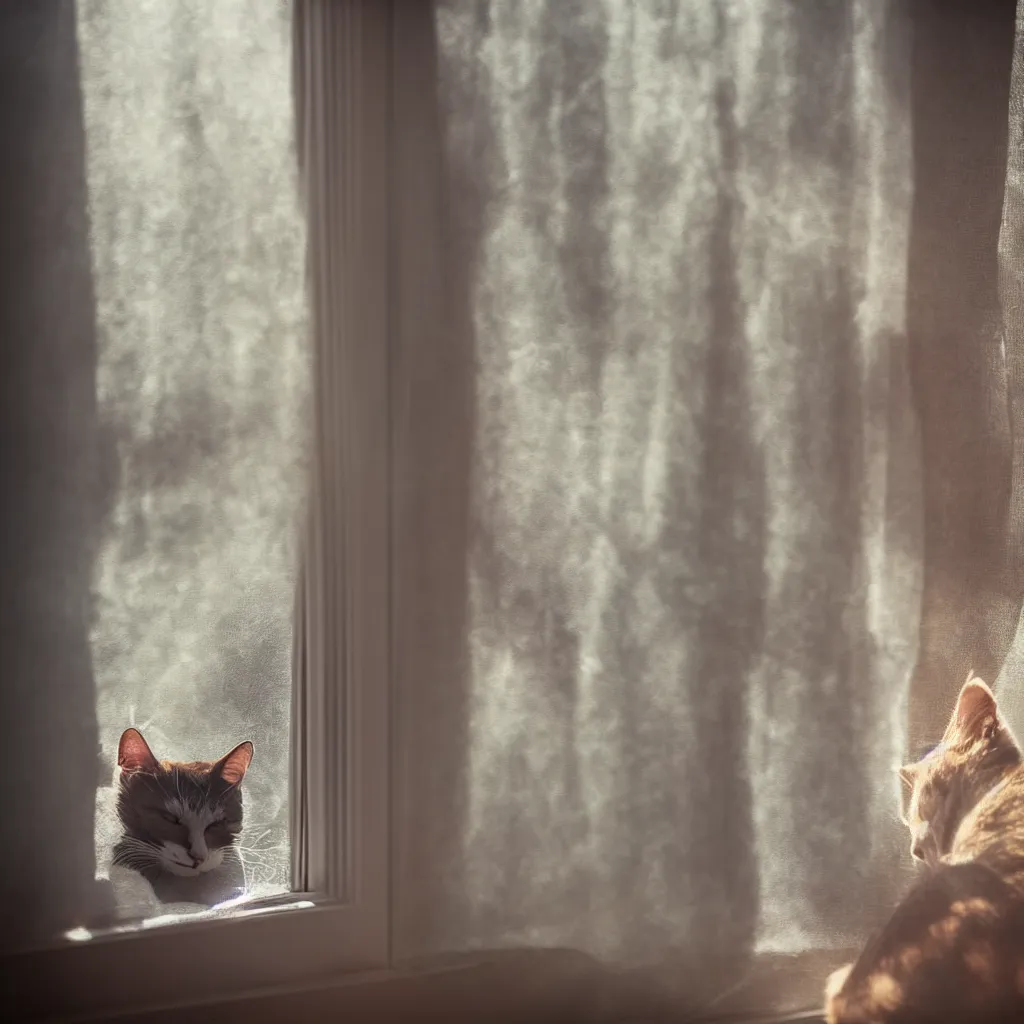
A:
(688, 615)
(663, 542)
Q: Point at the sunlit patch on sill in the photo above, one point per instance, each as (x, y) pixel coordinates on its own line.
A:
(240, 907)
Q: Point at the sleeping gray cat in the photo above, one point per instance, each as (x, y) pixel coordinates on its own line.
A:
(180, 820)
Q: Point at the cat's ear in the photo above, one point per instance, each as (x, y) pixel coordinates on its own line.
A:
(907, 774)
(976, 716)
(134, 755)
(231, 768)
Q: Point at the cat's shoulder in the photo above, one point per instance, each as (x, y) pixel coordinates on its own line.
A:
(953, 950)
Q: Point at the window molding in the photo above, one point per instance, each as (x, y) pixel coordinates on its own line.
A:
(343, 631)
(340, 922)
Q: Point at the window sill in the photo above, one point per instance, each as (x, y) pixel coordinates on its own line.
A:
(219, 959)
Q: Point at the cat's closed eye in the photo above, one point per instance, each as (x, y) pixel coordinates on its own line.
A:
(932, 796)
(172, 818)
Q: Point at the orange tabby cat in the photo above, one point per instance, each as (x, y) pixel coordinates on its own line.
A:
(953, 951)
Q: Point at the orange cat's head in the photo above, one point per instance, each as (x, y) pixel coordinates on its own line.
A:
(976, 751)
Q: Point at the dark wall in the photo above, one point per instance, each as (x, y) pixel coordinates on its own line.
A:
(960, 94)
(48, 751)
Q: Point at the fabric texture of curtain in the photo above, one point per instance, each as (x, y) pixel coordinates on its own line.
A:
(710, 474)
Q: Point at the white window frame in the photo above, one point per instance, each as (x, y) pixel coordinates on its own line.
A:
(341, 716)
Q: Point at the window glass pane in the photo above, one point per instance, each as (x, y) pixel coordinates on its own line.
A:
(198, 253)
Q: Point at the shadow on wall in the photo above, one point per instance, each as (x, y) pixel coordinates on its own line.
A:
(52, 500)
(1011, 288)
(973, 581)
(435, 369)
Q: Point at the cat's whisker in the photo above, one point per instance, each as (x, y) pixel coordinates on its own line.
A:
(139, 851)
(139, 848)
(137, 865)
(258, 866)
(263, 849)
(135, 841)
(255, 839)
(256, 862)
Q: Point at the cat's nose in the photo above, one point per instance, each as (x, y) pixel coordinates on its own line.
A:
(919, 841)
